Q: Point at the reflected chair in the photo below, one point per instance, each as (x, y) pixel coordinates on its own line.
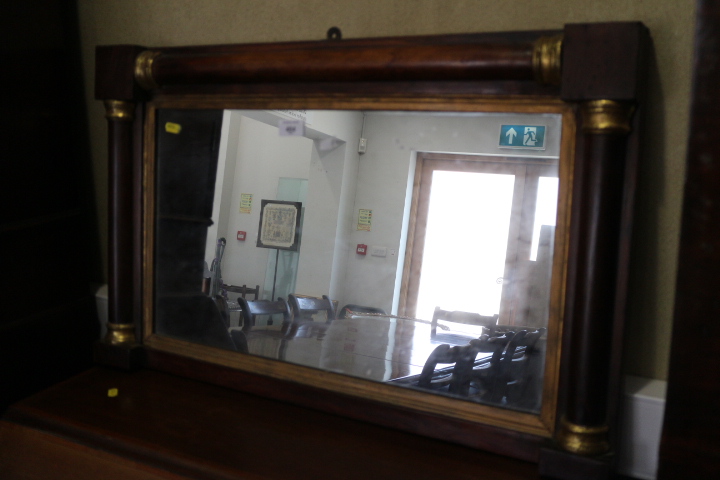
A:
(490, 382)
(304, 307)
(345, 311)
(457, 377)
(433, 379)
(251, 309)
(508, 369)
(468, 367)
(522, 378)
(244, 291)
(466, 318)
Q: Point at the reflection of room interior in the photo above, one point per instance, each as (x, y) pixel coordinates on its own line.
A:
(480, 197)
(323, 170)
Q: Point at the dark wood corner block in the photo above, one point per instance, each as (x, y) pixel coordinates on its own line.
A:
(603, 61)
(124, 356)
(115, 72)
(561, 465)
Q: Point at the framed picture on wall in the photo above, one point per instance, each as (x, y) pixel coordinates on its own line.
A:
(279, 225)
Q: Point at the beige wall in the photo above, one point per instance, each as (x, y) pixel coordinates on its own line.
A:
(184, 22)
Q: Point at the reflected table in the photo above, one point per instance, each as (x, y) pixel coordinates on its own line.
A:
(379, 348)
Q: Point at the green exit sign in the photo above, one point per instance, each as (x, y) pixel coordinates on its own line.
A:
(530, 137)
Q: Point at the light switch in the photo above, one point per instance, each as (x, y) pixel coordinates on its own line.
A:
(378, 251)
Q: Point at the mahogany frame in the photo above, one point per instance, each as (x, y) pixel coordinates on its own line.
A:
(596, 69)
(540, 425)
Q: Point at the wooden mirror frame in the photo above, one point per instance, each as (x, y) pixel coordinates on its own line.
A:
(595, 69)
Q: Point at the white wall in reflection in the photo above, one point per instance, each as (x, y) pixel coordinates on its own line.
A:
(340, 182)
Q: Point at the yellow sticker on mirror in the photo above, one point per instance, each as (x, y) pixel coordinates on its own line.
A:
(173, 127)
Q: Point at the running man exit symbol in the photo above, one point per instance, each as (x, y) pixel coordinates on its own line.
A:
(522, 136)
(530, 137)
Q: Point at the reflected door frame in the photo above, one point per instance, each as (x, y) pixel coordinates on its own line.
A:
(526, 171)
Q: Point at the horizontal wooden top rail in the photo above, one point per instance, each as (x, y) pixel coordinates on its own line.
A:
(507, 56)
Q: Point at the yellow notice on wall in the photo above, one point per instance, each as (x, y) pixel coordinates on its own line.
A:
(245, 202)
(364, 219)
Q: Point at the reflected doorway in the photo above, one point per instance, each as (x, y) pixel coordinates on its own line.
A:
(482, 237)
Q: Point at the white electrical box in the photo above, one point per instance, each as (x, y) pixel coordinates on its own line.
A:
(378, 251)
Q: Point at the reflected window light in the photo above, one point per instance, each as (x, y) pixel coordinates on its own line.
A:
(465, 243)
(545, 210)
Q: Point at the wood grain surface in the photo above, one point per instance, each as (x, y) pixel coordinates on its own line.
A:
(162, 423)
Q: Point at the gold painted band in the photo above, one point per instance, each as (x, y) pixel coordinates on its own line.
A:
(119, 110)
(120, 333)
(143, 69)
(547, 60)
(583, 439)
(607, 117)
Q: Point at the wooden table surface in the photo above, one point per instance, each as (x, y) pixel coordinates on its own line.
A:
(163, 426)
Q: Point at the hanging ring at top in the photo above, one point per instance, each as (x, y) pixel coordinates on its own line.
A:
(334, 33)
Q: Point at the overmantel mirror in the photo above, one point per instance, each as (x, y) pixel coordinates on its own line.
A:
(430, 233)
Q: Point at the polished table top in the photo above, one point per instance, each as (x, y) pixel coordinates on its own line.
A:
(380, 348)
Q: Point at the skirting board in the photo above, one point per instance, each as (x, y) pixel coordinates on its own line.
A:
(641, 423)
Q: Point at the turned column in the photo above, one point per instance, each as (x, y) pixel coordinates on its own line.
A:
(605, 126)
(121, 326)
(116, 86)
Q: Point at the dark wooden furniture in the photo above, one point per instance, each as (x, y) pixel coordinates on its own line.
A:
(431, 377)
(244, 291)
(485, 376)
(303, 306)
(495, 370)
(465, 363)
(251, 309)
(513, 376)
(591, 73)
(690, 446)
(162, 426)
